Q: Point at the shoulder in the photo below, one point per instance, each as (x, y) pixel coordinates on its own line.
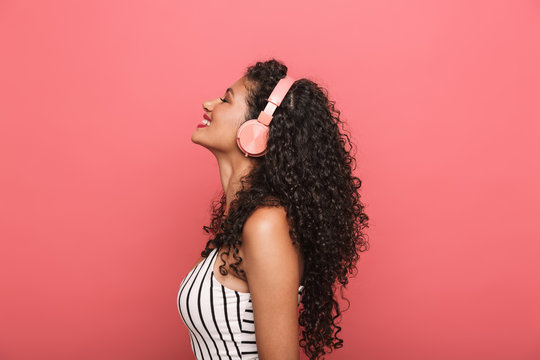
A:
(266, 241)
(267, 228)
(266, 218)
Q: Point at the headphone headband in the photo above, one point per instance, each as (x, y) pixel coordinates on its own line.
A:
(275, 99)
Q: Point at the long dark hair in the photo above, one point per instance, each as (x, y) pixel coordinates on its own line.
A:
(308, 171)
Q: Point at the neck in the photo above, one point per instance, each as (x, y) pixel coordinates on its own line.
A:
(231, 170)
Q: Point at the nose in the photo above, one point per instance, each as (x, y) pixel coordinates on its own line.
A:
(206, 106)
(209, 105)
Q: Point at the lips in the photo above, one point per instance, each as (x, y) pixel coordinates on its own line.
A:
(205, 122)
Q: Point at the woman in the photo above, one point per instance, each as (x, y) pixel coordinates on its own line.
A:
(286, 229)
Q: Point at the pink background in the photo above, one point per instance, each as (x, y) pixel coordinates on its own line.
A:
(103, 196)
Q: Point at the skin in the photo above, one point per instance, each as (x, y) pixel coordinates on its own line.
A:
(273, 265)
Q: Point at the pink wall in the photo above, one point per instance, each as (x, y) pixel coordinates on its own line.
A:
(103, 196)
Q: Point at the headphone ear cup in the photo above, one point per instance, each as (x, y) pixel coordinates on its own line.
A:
(252, 137)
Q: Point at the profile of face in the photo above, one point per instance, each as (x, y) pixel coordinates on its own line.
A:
(226, 114)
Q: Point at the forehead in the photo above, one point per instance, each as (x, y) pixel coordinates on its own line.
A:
(239, 87)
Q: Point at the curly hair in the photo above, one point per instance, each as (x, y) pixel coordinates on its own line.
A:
(308, 171)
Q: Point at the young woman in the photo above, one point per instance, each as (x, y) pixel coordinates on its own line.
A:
(286, 230)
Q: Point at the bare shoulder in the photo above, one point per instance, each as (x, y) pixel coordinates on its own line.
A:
(267, 222)
(266, 242)
(267, 216)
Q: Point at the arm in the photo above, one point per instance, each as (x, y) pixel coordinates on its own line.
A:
(271, 265)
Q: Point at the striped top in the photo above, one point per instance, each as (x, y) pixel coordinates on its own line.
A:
(219, 319)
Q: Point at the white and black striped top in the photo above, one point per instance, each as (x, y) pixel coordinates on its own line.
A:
(219, 319)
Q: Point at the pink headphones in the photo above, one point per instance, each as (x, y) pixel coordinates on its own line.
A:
(253, 134)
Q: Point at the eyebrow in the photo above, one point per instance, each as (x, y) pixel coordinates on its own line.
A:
(229, 89)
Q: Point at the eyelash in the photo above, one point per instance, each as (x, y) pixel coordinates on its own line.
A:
(222, 100)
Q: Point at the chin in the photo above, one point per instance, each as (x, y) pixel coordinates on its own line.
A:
(194, 138)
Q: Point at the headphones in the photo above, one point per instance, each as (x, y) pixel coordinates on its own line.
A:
(253, 134)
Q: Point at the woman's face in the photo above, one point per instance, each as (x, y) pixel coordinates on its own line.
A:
(226, 116)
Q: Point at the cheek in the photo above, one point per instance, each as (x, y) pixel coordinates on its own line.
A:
(227, 122)
(224, 129)
(229, 125)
